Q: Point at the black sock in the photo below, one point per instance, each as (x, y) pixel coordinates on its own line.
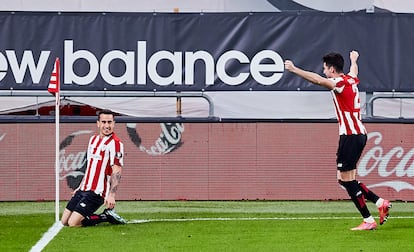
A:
(94, 219)
(370, 195)
(354, 191)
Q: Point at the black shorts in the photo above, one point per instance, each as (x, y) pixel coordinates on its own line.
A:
(85, 202)
(349, 151)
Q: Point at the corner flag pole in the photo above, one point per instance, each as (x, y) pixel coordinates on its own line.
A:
(54, 88)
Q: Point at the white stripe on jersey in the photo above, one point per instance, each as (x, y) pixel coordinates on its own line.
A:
(338, 114)
(350, 122)
(359, 122)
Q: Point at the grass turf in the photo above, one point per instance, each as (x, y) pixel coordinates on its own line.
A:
(25, 222)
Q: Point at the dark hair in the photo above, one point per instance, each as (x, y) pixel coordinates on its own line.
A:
(334, 60)
(105, 112)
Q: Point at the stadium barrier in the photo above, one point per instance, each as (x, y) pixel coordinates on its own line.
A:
(209, 161)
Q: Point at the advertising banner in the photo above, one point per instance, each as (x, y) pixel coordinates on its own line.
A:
(216, 161)
(199, 51)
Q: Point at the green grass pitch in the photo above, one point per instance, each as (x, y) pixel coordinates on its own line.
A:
(213, 226)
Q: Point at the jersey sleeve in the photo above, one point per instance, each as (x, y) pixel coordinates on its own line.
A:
(117, 155)
(339, 84)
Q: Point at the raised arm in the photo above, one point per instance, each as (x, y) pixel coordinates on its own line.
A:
(309, 76)
(353, 69)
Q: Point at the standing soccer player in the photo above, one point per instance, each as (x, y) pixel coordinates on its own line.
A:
(352, 133)
(101, 180)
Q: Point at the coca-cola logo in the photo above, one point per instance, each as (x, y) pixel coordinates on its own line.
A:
(378, 160)
(168, 141)
(72, 165)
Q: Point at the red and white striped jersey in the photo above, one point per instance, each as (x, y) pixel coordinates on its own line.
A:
(102, 154)
(348, 105)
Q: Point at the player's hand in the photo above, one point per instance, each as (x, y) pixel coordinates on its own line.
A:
(110, 201)
(289, 65)
(353, 55)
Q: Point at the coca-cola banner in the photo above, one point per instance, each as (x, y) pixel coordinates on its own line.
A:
(208, 161)
(199, 51)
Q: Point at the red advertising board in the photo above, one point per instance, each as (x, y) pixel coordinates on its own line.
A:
(209, 161)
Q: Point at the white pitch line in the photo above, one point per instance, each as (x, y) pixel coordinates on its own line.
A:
(57, 226)
(47, 237)
(254, 218)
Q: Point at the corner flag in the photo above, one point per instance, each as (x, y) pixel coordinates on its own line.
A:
(54, 84)
(54, 88)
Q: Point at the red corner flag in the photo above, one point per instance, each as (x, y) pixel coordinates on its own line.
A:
(54, 84)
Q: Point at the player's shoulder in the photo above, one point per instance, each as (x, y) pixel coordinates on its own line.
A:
(351, 79)
(93, 137)
(116, 138)
(338, 81)
(345, 80)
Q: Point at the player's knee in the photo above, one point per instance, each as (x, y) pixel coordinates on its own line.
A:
(64, 223)
(72, 222)
(65, 220)
(352, 188)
